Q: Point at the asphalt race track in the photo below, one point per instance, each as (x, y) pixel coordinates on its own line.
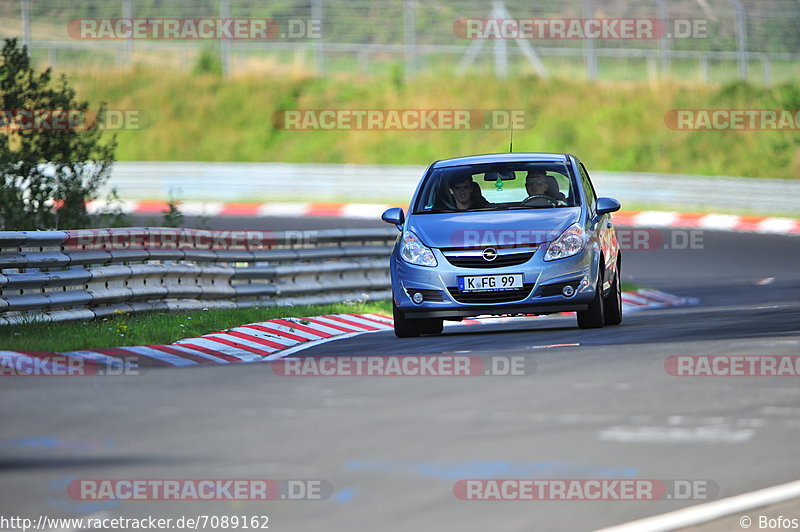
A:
(393, 447)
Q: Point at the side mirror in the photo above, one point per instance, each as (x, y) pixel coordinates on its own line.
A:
(607, 205)
(396, 216)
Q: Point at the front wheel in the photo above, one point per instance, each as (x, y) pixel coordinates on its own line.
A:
(403, 327)
(613, 304)
(594, 316)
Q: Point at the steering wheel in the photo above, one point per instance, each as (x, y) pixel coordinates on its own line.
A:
(550, 199)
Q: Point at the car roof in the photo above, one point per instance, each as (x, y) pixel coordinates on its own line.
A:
(503, 158)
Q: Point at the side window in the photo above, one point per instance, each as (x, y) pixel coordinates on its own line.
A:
(587, 186)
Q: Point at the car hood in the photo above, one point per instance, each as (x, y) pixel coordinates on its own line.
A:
(493, 228)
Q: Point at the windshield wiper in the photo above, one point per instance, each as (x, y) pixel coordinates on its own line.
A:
(434, 211)
(481, 209)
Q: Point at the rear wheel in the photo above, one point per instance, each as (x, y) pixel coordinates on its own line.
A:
(594, 316)
(613, 303)
(403, 327)
(432, 326)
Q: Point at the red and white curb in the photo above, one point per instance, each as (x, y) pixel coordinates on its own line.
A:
(719, 222)
(278, 338)
(273, 339)
(254, 342)
(649, 299)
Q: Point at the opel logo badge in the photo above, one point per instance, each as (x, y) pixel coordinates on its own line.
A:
(489, 254)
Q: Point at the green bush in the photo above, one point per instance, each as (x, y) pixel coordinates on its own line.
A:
(48, 171)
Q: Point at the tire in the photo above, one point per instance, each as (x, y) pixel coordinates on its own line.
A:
(612, 306)
(403, 327)
(432, 326)
(594, 316)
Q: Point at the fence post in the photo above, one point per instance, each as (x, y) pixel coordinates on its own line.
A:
(588, 44)
(26, 24)
(767, 64)
(410, 36)
(741, 37)
(127, 13)
(704, 73)
(500, 49)
(663, 42)
(225, 44)
(319, 48)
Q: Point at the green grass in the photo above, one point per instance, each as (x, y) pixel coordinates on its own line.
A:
(610, 125)
(629, 287)
(157, 327)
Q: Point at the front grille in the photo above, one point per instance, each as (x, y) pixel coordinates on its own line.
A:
(555, 289)
(504, 296)
(477, 261)
(427, 295)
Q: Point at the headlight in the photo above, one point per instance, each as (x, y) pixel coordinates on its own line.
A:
(569, 243)
(414, 252)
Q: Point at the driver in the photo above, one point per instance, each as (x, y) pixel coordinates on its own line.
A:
(538, 183)
(466, 193)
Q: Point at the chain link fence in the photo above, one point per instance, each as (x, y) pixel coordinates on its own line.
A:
(726, 39)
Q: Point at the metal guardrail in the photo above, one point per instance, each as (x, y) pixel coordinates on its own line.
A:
(70, 275)
(396, 183)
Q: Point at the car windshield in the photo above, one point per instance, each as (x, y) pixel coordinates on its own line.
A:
(493, 187)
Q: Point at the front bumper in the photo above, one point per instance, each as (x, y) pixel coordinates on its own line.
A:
(541, 294)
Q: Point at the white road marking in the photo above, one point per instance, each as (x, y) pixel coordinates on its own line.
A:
(673, 434)
(704, 513)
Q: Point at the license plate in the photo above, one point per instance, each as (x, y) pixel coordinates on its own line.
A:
(489, 283)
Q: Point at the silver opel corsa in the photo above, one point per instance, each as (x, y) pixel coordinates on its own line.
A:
(505, 234)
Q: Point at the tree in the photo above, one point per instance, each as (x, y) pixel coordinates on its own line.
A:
(51, 157)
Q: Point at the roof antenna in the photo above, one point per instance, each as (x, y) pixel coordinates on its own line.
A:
(511, 142)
